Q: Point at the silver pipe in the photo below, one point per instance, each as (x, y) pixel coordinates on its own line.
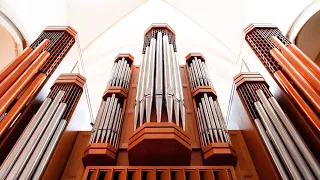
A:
(168, 78)
(111, 119)
(159, 76)
(209, 122)
(115, 124)
(139, 89)
(120, 72)
(15, 152)
(200, 129)
(104, 114)
(118, 132)
(182, 108)
(297, 158)
(175, 82)
(106, 121)
(215, 117)
(46, 157)
(113, 140)
(150, 80)
(142, 95)
(194, 73)
(43, 143)
(196, 70)
(204, 75)
(116, 73)
(271, 150)
(127, 77)
(112, 75)
(277, 141)
(206, 125)
(190, 76)
(34, 139)
(218, 110)
(207, 73)
(96, 123)
(207, 110)
(313, 164)
(199, 71)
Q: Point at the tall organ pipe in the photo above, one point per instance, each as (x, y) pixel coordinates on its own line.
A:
(277, 141)
(24, 65)
(46, 157)
(296, 77)
(44, 141)
(299, 161)
(17, 107)
(305, 59)
(310, 159)
(159, 75)
(182, 108)
(150, 80)
(168, 78)
(10, 67)
(22, 81)
(271, 150)
(313, 78)
(312, 116)
(34, 139)
(11, 159)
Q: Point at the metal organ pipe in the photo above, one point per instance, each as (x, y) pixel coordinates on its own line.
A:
(277, 141)
(271, 150)
(297, 158)
(179, 85)
(159, 74)
(310, 159)
(150, 80)
(46, 157)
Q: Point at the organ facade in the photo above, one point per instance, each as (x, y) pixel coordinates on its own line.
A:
(160, 119)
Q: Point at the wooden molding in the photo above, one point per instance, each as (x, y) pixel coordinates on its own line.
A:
(194, 54)
(159, 144)
(99, 154)
(219, 154)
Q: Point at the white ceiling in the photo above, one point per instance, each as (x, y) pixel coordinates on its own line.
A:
(109, 27)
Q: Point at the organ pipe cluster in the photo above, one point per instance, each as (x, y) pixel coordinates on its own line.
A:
(291, 156)
(108, 122)
(32, 151)
(287, 63)
(198, 73)
(210, 119)
(30, 70)
(211, 124)
(159, 84)
(120, 75)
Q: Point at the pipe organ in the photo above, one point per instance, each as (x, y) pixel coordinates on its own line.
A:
(291, 156)
(159, 80)
(212, 127)
(104, 140)
(295, 73)
(31, 153)
(23, 78)
(160, 119)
